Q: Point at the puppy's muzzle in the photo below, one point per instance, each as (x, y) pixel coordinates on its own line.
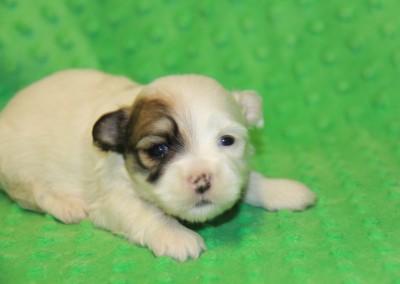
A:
(200, 183)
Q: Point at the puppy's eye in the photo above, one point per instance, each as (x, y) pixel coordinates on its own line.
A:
(226, 140)
(158, 151)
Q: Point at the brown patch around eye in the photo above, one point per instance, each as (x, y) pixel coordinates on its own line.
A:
(146, 148)
(149, 115)
(146, 160)
(153, 124)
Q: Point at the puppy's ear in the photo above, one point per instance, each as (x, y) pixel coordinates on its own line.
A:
(251, 104)
(109, 132)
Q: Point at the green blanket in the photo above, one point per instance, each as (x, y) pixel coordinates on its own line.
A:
(329, 75)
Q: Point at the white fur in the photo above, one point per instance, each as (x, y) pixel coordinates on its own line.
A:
(48, 162)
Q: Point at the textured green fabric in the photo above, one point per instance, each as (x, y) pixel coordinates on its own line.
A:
(329, 75)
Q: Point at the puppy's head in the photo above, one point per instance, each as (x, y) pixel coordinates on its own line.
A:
(185, 144)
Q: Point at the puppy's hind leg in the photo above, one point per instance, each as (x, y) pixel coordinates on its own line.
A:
(67, 208)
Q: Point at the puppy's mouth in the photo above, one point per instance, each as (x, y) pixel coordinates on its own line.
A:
(203, 203)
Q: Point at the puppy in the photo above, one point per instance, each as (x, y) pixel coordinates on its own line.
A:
(136, 159)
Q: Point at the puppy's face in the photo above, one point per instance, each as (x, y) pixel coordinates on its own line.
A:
(185, 145)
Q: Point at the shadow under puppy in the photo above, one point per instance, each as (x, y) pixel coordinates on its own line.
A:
(131, 158)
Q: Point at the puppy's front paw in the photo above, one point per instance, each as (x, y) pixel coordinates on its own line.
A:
(177, 242)
(283, 194)
(278, 194)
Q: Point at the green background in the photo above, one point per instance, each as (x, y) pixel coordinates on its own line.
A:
(329, 75)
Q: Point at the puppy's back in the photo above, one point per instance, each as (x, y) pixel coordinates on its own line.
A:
(45, 129)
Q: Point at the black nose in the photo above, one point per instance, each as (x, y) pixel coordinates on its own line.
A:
(203, 188)
(200, 183)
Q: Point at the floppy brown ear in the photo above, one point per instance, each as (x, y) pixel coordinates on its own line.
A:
(251, 103)
(109, 132)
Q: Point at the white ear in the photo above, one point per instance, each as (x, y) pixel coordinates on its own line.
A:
(251, 104)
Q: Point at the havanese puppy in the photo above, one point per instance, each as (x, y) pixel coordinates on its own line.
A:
(136, 159)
